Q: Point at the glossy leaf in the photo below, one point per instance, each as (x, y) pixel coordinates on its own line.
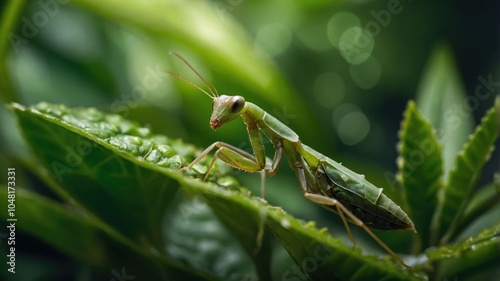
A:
(90, 153)
(466, 172)
(98, 179)
(420, 170)
(246, 216)
(469, 257)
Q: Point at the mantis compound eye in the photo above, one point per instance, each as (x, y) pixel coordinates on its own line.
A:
(237, 104)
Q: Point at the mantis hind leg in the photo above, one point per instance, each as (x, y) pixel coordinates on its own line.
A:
(309, 183)
(342, 210)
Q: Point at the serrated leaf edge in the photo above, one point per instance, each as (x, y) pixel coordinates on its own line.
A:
(491, 114)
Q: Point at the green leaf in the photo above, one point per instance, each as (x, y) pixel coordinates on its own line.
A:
(442, 98)
(35, 213)
(91, 153)
(196, 237)
(84, 239)
(252, 234)
(420, 170)
(315, 251)
(51, 129)
(483, 200)
(469, 256)
(467, 170)
(97, 179)
(10, 15)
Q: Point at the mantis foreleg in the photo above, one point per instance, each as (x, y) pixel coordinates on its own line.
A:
(240, 159)
(230, 154)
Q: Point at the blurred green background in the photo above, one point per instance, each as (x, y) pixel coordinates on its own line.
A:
(339, 73)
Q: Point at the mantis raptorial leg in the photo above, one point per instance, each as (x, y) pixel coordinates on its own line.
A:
(322, 180)
(236, 158)
(230, 154)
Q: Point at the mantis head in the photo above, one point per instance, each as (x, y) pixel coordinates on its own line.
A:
(224, 108)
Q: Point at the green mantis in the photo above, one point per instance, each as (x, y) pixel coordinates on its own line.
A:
(322, 180)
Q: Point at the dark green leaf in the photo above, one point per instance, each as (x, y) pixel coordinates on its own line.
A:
(315, 252)
(196, 237)
(420, 170)
(88, 240)
(96, 165)
(248, 226)
(469, 256)
(465, 174)
(483, 200)
(52, 129)
(91, 153)
(45, 217)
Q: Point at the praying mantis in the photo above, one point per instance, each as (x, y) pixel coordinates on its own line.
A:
(323, 180)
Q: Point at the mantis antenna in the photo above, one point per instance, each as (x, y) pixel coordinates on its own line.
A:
(213, 91)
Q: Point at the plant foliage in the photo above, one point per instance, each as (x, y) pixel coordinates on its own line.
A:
(133, 171)
(117, 174)
(105, 190)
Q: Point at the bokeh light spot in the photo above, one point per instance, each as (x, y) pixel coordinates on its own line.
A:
(274, 38)
(367, 74)
(342, 110)
(353, 128)
(312, 35)
(338, 24)
(329, 89)
(356, 45)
